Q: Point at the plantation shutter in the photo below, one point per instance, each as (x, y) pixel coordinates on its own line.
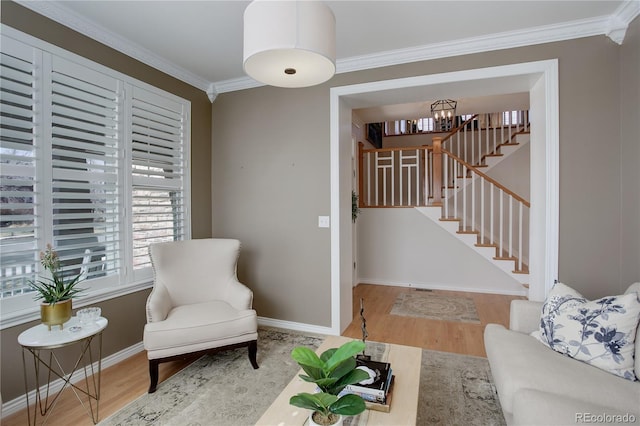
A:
(85, 124)
(18, 162)
(158, 172)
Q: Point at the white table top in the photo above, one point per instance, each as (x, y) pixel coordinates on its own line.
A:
(39, 336)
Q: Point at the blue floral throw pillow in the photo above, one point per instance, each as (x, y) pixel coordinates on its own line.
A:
(600, 332)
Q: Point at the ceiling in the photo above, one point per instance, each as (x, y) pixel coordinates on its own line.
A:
(200, 42)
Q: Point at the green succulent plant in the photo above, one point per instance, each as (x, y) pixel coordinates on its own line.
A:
(57, 288)
(331, 372)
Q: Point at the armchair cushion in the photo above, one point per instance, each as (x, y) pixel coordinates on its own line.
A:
(199, 326)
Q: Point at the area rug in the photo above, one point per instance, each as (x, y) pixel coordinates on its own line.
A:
(223, 389)
(428, 305)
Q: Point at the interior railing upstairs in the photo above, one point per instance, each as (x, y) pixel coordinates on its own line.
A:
(481, 135)
(432, 176)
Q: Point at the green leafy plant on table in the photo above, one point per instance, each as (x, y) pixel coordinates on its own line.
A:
(57, 288)
(331, 372)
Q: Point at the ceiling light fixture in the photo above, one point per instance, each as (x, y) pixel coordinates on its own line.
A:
(443, 108)
(289, 43)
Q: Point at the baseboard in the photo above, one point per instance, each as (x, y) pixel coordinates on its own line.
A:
(441, 286)
(20, 403)
(296, 326)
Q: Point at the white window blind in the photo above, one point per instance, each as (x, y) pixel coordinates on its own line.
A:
(91, 161)
(157, 168)
(85, 128)
(18, 153)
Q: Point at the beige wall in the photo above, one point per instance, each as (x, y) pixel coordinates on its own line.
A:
(630, 156)
(126, 314)
(271, 175)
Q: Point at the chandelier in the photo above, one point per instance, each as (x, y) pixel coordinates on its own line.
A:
(444, 108)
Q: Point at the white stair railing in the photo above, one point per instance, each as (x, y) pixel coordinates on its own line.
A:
(404, 177)
(481, 135)
(498, 216)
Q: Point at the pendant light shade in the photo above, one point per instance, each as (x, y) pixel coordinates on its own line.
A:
(289, 43)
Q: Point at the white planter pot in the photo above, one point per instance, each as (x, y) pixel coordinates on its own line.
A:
(337, 423)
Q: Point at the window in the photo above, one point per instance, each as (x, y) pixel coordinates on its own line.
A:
(512, 118)
(157, 158)
(93, 162)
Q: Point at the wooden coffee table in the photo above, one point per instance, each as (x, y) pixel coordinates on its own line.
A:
(405, 362)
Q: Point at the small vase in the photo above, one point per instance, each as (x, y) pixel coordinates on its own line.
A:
(55, 314)
(338, 422)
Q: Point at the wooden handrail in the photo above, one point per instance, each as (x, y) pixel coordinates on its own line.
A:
(406, 148)
(457, 129)
(493, 181)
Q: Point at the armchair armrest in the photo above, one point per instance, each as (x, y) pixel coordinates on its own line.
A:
(158, 304)
(238, 295)
(525, 316)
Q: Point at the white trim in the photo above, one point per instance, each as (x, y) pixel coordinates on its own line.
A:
(616, 27)
(613, 26)
(296, 326)
(545, 72)
(442, 286)
(32, 313)
(334, 219)
(20, 403)
(67, 17)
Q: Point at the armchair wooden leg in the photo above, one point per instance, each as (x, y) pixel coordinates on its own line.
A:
(253, 350)
(153, 374)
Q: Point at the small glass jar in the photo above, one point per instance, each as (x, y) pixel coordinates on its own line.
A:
(88, 315)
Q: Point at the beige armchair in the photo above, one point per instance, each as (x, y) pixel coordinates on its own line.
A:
(197, 304)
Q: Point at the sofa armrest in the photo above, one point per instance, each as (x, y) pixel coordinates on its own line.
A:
(533, 407)
(525, 316)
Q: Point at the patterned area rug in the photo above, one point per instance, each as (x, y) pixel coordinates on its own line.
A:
(428, 305)
(223, 389)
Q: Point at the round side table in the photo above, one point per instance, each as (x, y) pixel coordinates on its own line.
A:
(39, 341)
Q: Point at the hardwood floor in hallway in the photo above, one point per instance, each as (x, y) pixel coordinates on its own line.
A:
(129, 379)
(446, 336)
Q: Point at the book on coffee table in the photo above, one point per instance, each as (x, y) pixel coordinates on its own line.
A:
(377, 390)
(385, 406)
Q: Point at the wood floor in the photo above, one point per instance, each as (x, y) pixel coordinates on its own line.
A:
(129, 379)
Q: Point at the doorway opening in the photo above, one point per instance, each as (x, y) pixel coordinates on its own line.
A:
(539, 79)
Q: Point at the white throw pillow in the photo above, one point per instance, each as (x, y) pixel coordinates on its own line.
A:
(601, 332)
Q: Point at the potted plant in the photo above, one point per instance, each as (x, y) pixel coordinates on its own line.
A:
(331, 372)
(55, 292)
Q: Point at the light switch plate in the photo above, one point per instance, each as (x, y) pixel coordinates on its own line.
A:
(323, 221)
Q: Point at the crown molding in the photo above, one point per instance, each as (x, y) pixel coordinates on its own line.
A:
(67, 17)
(613, 26)
(620, 20)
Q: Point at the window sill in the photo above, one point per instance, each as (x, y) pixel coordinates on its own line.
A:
(33, 312)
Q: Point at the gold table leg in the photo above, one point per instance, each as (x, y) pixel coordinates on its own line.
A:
(91, 380)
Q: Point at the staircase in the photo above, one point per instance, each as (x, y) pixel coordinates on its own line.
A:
(447, 182)
(498, 254)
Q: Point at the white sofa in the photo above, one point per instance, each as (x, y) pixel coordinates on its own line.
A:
(538, 386)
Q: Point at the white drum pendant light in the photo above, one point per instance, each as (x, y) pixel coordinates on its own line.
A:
(289, 43)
